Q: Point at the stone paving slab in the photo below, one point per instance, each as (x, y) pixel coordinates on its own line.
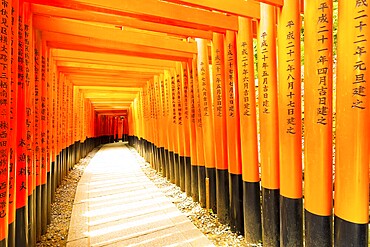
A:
(117, 205)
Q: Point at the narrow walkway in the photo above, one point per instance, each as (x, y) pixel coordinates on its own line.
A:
(117, 205)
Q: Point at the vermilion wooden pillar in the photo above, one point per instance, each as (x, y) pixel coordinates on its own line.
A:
(207, 121)
(22, 236)
(193, 141)
(5, 138)
(174, 163)
(290, 134)
(351, 199)
(30, 120)
(199, 138)
(37, 129)
(318, 157)
(180, 123)
(269, 136)
(13, 125)
(45, 165)
(248, 133)
(162, 124)
(220, 144)
(186, 123)
(233, 133)
(169, 172)
(55, 157)
(50, 134)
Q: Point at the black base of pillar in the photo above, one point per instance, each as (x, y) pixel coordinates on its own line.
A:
(202, 185)
(176, 164)
(182, 172)
(349, 234)
(194, 183)
(318, 230)
(32, 219)
(11, 234)
(171, 157)
(21, 226)
(159, 160)
(49, 176)
(252, 212)
(222, 194)
(163, 161)
(44, 208)
(4, 242)
(53, 180)
(271, 217)
(236, 203)
(211, 175)
(167, 164)
(291, 222)
(188, 176)
(38, 213)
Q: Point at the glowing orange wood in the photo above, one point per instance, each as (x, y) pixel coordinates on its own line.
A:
(96, 67)
(113, 59)
(154, 11)
(78, 43)
(120, 21)
(234, 7)
(290, 134)
(86, 29)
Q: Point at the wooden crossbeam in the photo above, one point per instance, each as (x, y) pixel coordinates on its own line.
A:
(117, 88)
(109, 79)
(97, 101)
(96, 67)
(59, 54)
(78, 43)
(121, 21)
(112, 112)
(112, 73)
(244, 8)
(109, 95)
(278, 3)
(85, 29)
(108, 84)
(153, 11)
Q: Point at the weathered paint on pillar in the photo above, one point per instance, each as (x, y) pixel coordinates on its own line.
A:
(318, 71)
(351, 198)
(268, 119)
(248, 133)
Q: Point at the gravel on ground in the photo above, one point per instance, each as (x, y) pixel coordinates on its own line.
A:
(61, 209)
(206, 221)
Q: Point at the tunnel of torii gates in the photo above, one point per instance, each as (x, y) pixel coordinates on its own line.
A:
(178, 80)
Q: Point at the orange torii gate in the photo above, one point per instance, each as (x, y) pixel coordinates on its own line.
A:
(209, 92)
(277, 160)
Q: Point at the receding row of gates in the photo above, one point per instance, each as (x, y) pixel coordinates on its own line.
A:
(216, 115)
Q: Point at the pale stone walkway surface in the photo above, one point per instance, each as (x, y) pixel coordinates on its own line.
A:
(117, 205)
